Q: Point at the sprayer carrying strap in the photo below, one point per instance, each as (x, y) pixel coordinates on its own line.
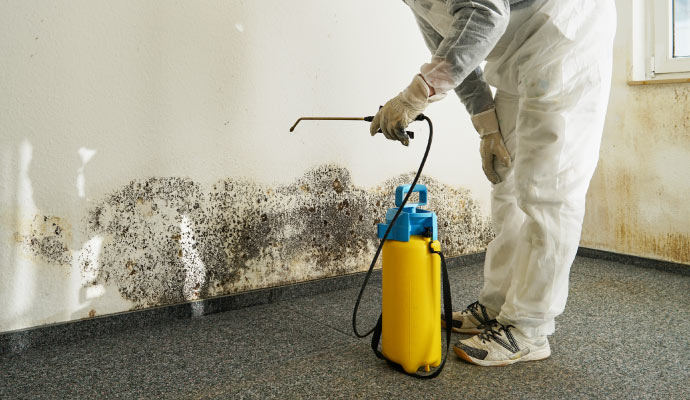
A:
(448, 313)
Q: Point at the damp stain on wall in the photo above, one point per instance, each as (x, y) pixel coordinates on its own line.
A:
(670, 246)
(169, 240)
(637, 202)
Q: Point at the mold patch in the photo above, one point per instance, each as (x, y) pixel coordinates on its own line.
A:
(168, 240)
(142, 251)
(47, 238)
(319, 226)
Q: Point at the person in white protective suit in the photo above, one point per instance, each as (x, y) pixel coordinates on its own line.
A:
(550, 62)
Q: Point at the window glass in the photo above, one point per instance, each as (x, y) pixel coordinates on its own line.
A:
(681, 28)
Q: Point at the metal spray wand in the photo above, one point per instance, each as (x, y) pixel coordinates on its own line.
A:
(370, 118)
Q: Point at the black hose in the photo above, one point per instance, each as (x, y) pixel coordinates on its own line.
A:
(420, 117)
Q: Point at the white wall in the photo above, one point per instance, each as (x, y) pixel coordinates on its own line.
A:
(102, 100)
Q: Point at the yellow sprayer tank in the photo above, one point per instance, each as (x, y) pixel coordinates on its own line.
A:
(411, 286)
(411, 304)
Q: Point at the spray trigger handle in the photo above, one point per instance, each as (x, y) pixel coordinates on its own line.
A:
(410, 134)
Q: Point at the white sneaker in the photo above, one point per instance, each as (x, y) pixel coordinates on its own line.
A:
(499, 345)
(470, 320)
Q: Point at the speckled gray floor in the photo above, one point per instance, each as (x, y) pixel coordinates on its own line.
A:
(625, 334)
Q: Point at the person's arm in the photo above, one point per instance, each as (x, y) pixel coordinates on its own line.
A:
(477, 26)
(476, 95)
(474, 92)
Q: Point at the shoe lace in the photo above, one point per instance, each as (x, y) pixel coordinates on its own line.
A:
(492, 330)
(479, 312)
(473, 306)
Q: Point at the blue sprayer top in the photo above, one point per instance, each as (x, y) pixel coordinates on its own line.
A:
(412, 220)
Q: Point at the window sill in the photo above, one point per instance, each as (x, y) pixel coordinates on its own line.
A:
(661, 81)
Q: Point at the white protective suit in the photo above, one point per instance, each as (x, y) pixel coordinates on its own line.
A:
(552, 71)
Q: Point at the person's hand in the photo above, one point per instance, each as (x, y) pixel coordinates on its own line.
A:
(398, 112)
(491, 146)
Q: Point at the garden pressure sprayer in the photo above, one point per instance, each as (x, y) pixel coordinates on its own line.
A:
(413, 271)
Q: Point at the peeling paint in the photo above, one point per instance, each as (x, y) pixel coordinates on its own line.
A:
(168, 240)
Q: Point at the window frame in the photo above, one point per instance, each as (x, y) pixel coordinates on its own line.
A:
(662, 60)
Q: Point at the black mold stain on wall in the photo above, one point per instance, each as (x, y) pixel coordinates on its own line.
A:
(47, 238)
(142, 253)
(168, 240)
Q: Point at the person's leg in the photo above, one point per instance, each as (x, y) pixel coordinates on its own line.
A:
(561, 72)
(506, 216)
(563, 97)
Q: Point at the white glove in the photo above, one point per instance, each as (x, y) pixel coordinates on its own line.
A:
(402, 109)
(492, 144)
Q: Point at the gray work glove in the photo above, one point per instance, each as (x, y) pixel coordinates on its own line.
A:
(492, 145)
